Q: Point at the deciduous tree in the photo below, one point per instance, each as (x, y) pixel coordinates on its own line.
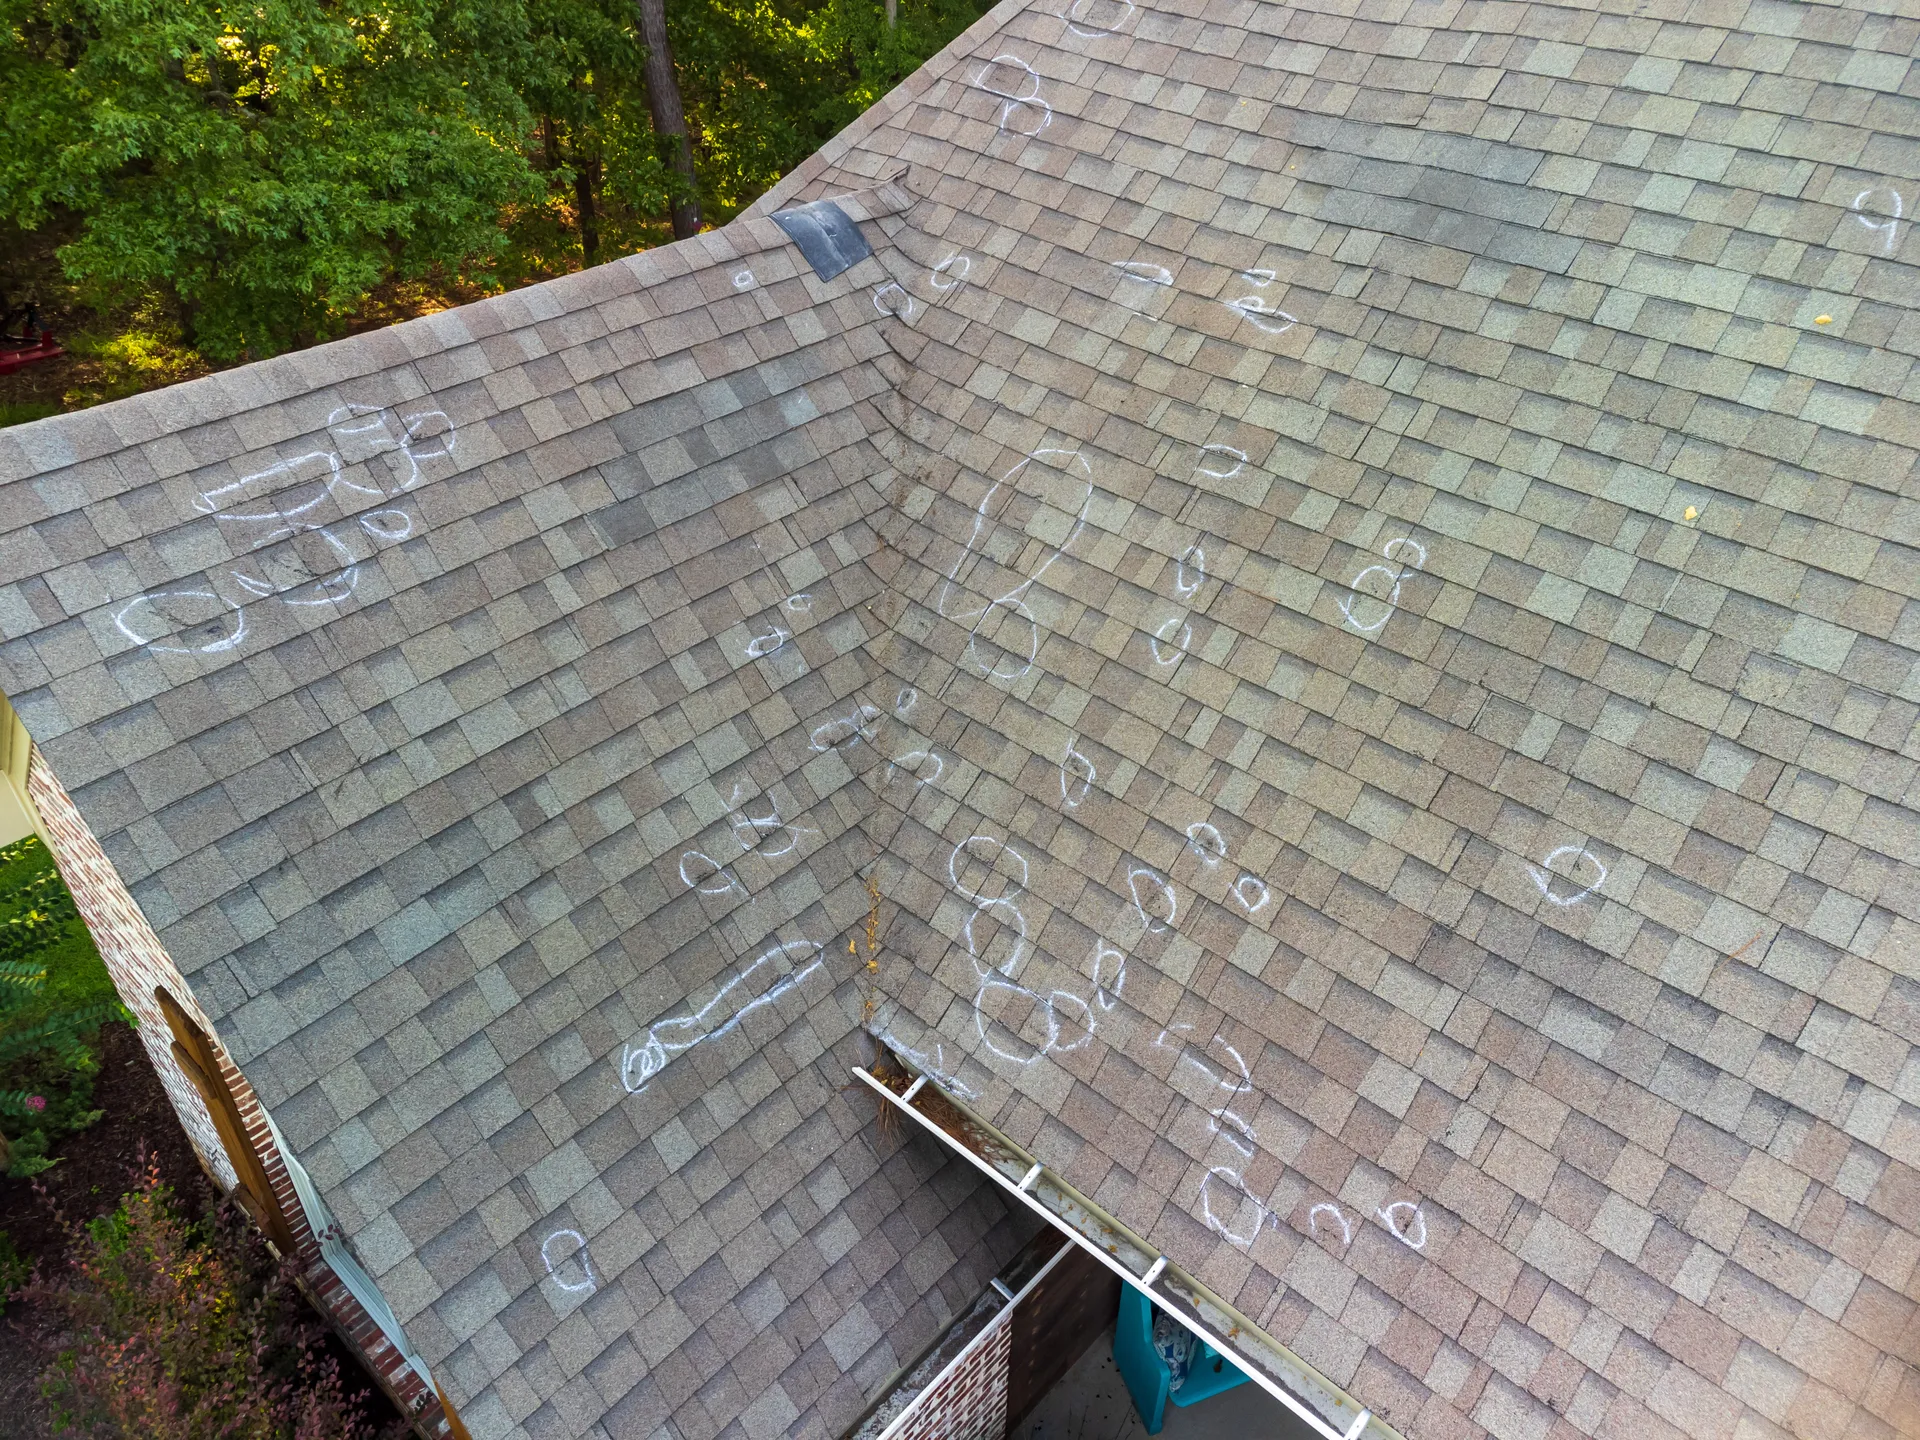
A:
(263, 166)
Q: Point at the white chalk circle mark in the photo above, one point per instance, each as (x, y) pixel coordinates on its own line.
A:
(1413, 1231)
(1544, 874)
(167, 628)
(294, 488)
(703, 882)
(1158, 894)
(1106, 992)
(1207, 842)
(1162, 655)
(1262, 316)
(285, 570)
(904, 702)
(954, 277)
(900, 304)
(1395, 575)
(800, 603)
(1246, 1198)
(1212, 457)
(1012, 601)
(1077, 774)
(848, 730)
(1050, 1005)
(742, 279)
(1144, 272)
(1084, 24)
(415, 433)
(762, 646)
(387, 524)
(588, 1282)
(751, 831)
(1189, 572)
(1888, 225)
(1002, 908)
(994, 849)
(1252, 893)
(1038, 114)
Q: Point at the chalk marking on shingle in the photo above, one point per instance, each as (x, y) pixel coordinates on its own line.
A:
(1028, 99)
(1157, 886)
(1544, 874)
(1238, 457)
(1395, 575)
(1206, 841)
(1263, 316)
(914, 762)
(284, 498)
(762, 646)
(1012, 601)
(957, 277)
(1077, 774)
(680, 1033)
(1190, 572)
(715, 869)
(1405, 1232)
(849, 729)
(900, 305)
(1108, 995)
(751, 831)
(1157, 641)
(1889, 225)
(1084, 26)
(585, 1286)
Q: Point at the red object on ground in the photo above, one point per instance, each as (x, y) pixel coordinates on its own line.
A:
(15, 354)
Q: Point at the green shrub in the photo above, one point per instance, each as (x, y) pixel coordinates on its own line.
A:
(170, 1330)
(54, 994)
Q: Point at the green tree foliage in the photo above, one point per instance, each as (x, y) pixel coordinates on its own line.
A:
(592, 139)
(768, 82)
(262, 176)
(54, 993)
(263, 166)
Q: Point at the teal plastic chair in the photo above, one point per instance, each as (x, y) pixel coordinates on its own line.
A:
(1148, 1379)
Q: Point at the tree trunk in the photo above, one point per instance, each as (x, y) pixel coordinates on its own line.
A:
(585, 172)
(669, 115)
(893, 13)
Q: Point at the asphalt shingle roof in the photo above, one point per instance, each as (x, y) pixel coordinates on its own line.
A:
(1351, 579)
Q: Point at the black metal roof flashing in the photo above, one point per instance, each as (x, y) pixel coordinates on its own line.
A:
(826, 235)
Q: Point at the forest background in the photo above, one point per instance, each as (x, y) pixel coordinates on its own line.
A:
(190, 184)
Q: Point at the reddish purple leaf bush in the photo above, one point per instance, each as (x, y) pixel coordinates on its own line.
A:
(165, 1329)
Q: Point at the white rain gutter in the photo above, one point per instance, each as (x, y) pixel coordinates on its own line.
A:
(1330, 1411)
(333, 1249)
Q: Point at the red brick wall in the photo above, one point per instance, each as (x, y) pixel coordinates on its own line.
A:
(135, 957)
(138, 962)
(968, 1402)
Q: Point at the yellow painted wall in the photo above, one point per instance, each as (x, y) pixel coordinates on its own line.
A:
(17, 817)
